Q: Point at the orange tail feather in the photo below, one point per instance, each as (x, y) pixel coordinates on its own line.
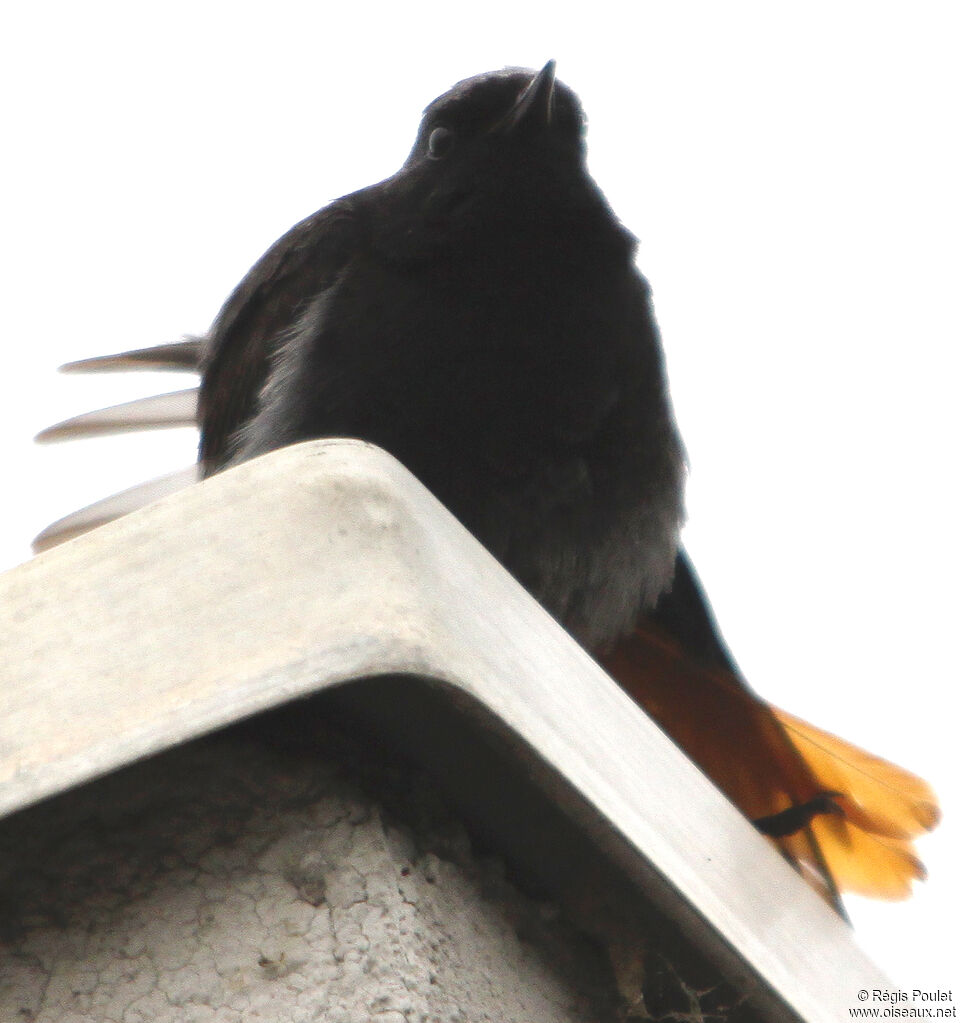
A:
(869, 850)
(766, 761)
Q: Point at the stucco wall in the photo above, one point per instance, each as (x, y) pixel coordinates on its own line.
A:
(300, 868)
(234, 881)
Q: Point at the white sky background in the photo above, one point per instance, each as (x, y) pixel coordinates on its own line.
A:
(792, 172)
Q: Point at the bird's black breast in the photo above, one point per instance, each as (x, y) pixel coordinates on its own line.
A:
(527, 396)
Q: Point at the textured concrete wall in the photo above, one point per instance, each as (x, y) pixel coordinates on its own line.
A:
(231, 881)
(312, 864)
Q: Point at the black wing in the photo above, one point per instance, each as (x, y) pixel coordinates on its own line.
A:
(256, 318)
(685, 613)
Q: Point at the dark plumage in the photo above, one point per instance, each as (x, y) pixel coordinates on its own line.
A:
(480, 316)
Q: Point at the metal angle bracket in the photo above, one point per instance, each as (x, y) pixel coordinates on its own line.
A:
(328, 562)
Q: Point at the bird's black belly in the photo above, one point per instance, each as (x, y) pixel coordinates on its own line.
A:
(539, 419)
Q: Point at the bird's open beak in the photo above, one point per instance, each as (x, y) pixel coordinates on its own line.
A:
(535, 105)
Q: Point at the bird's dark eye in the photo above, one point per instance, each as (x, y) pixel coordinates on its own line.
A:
(440, 143)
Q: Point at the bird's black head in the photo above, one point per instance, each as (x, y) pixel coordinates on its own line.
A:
(497, 157)
(514, 109)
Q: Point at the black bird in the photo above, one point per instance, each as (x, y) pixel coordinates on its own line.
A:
(480, 316)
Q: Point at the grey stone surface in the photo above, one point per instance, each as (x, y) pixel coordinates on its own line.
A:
(227, 881)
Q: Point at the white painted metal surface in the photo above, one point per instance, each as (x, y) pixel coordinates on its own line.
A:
(326, 562)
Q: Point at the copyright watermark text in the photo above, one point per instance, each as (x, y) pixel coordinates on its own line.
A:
(893, 1003)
